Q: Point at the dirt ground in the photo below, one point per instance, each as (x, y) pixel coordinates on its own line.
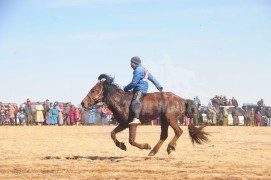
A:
(87, 152)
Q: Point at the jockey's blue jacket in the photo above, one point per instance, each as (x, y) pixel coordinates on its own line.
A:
(139, 81)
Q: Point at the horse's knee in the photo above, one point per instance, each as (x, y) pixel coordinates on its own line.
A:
(179, 132)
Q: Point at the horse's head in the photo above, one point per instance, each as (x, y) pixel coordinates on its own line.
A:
(96, 94)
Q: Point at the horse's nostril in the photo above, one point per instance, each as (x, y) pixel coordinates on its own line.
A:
(82, 104)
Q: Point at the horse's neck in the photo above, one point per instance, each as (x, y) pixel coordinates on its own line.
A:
(119, 103)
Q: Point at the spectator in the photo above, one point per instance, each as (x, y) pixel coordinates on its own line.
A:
(268, 115)
(263, 116)
(21, 108)
(60, 109)
(251, 117)
(67, 120)
(235, 116)
(196, 115)
(85, 113)
(46, 107)
(72, 115)
(21, 117)
(15, 113)
(225, 117)
(11, 111)
(234, 102)
(39, 113)
(246, 114)
(54, 114)
(103, 113)
(259, 118)
(77, 116)
(47, 117)
(92, 115)
(28, 113)
(260, 102)
(196, 100)
(2, 114)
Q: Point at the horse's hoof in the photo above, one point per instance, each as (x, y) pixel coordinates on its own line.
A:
(147, 146)
(151, 153)
(170, 149)
(123, 147)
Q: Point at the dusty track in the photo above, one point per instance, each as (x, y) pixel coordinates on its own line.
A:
(87, 152)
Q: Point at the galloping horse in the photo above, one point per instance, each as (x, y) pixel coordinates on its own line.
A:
(166, 105)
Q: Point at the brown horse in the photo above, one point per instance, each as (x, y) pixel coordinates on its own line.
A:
(166, 105)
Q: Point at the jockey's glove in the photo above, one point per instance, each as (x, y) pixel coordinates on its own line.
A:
(160, 89)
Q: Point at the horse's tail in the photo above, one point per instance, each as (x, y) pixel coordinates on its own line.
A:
(197, 134)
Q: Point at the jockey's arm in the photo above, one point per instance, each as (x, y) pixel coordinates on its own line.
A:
(135, 80)
(155, 82)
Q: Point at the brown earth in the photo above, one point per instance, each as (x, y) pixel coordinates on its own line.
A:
(87, 152)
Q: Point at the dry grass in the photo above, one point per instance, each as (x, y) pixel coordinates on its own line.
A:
(87, 152)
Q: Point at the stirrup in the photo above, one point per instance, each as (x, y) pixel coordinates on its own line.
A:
(135, 122)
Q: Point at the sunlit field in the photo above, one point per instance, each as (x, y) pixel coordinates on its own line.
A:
(87, 152)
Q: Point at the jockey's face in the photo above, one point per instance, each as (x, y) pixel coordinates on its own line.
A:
(133, 65)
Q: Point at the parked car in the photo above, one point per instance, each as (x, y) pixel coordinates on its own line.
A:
(230, 119)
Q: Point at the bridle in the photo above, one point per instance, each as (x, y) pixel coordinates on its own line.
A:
(97, 98)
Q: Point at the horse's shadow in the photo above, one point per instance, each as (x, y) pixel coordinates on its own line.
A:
(93, 158)
(105, 158)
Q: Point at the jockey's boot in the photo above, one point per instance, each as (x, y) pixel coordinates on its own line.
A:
(135, 122)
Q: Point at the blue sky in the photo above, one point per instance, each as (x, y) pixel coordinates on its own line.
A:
(56, 49)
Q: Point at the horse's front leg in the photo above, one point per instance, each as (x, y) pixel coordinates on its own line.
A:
(118, 129)
(132, 135)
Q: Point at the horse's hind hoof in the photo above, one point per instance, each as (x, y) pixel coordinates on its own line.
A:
(151, 154)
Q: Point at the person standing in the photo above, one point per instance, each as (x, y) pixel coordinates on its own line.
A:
(72, 114)
(234, 102)
(251, 117)
(84, 116)
(246, 114)
(2, 114)
(60, 109)
(268, 116)
(54, 114)
(39, 114)
(225, 117)
(92, 116)
(11, 111)
(259, 118)
(28, 113)
(235, 116)
(67, 120)
(260, 103)
(46, 108)
(139, 85)
(16, 110)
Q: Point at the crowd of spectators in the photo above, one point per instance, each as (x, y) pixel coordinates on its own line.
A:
(220, 109)
(53, 113)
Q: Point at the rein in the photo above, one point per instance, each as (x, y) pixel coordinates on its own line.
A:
(97, 97)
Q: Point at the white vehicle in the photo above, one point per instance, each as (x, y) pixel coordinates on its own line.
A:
(230, 119)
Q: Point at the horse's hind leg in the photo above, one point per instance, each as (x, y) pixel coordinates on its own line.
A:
(132, 135)
(163, 137)
(178, 132)
(118, 129)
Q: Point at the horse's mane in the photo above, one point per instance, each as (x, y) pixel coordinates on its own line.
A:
(109, 86)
